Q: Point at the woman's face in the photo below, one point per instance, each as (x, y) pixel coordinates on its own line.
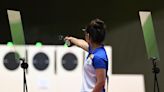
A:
(87, 37)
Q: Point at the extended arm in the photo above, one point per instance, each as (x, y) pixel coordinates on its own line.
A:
(78, 42)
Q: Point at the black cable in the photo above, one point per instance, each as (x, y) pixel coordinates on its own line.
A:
(24, 66)
(156, 70)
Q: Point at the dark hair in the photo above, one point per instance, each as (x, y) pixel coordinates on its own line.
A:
(96, 29)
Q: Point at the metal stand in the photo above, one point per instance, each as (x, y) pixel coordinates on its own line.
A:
(24, 66)
(156, 70)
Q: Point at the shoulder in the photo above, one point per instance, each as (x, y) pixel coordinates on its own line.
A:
(99, 62)
(101, 54)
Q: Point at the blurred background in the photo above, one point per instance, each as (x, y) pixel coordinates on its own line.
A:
(44, 21)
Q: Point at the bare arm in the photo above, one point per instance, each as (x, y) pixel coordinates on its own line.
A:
(100, 76)
(78, 42)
